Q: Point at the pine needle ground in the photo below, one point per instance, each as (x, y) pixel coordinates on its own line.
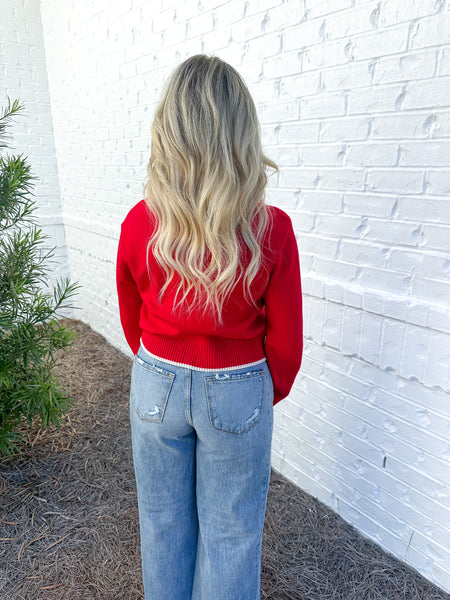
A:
(69, 518)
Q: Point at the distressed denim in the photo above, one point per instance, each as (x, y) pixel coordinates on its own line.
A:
(201, 450)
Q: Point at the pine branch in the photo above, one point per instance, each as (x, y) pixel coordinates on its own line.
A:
(5, 118)
(15, 188)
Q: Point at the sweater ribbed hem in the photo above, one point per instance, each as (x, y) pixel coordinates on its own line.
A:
(179, 364)
(204, 352)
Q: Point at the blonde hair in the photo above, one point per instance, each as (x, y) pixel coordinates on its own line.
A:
(206, 181)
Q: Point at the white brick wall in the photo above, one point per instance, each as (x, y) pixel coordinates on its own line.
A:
(23, 76)
(354, 101)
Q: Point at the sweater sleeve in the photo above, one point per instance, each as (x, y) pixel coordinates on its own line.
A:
(284, 318)
(130, 300)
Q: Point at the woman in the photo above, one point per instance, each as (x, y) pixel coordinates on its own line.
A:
(209, 291)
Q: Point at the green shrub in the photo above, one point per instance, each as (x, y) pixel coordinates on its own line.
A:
(30, 331)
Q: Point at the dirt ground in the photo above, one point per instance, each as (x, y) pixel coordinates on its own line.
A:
(69, 517)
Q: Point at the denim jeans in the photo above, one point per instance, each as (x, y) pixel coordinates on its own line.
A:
(201, 450)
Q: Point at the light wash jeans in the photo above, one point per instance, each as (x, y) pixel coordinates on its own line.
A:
(201, 450)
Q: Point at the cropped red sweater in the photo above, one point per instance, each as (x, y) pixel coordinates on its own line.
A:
(272, 329)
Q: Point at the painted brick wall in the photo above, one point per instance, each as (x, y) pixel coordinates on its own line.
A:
(23, 76)
(354, 103)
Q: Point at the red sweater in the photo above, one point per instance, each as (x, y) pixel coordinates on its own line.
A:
(273, 329)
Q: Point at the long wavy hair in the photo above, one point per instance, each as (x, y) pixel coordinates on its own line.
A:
(206, 179)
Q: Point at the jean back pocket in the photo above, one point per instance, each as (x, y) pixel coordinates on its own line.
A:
(150, 389)
(235, 400)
